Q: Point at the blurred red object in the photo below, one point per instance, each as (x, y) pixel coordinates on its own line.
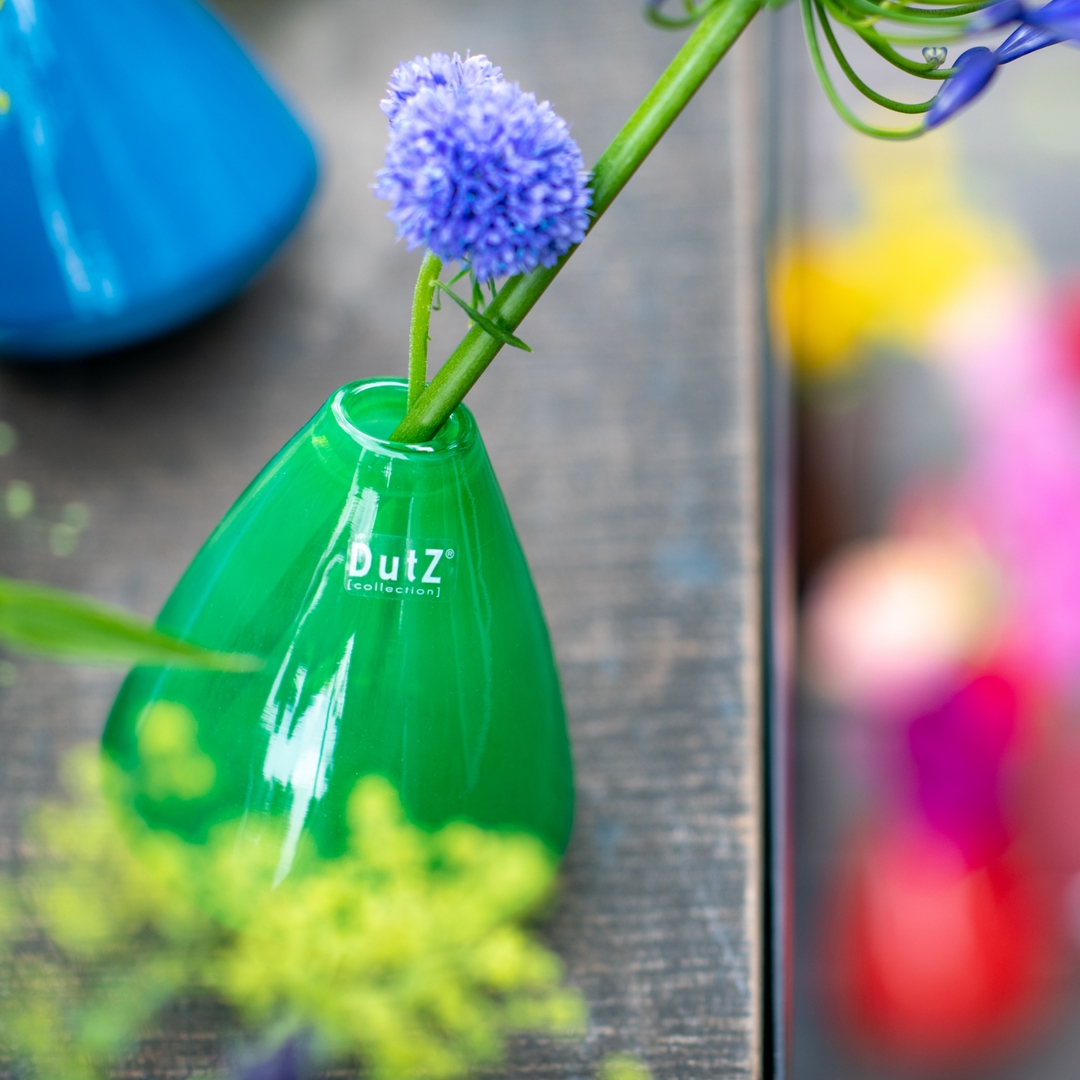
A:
(1050, 802)
(1066, 313)
(933, 964)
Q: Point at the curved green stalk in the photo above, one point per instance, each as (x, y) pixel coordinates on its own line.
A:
(948, 11)
(957, 11)
(423, 296)
(849, 71)
(658, 18)
(838, 103)
(885, 50)
(898, 14)
(922, 40)
(703, 50)
(694, 12)
(869, 33)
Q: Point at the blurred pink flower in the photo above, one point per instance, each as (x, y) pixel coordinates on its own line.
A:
(1022, 483)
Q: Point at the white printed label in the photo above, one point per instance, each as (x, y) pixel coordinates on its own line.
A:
(398, 567)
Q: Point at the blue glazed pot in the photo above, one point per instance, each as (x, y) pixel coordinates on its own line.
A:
(147, 170)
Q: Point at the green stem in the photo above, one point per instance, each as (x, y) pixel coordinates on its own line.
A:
(897, 14)
(430, 269)
(849, 71)
(904, 63)
(830, 91)
(692, 65)
(922, 40)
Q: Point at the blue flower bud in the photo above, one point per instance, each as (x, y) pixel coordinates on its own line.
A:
(1023, 40)
(1059, 17)
(974, 70)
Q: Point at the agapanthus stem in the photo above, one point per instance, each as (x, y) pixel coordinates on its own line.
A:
(830, 91)
(692, 65)
(430, 269)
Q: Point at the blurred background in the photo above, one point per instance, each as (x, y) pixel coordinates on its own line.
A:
(930, 296)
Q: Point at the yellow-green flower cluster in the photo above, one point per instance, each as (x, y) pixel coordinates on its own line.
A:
(407, 952)
(408, 949)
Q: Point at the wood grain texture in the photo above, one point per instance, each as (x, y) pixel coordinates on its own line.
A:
(627, 447)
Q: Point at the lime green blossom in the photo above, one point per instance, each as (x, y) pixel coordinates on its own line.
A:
(408, 952)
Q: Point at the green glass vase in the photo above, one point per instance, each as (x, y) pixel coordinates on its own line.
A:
(386, 589)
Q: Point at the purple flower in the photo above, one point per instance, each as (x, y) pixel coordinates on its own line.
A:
(974, 70)
(1056, 21)
(480, 172)
(959, 751)
(460, 76)
(997, 15)
(1023, 40)
(1060, 18)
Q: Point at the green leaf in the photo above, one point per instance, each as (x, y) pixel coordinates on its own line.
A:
(493, 328)
(40, 619)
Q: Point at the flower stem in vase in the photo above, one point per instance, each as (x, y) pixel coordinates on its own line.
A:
(419, 336)
(692, 65)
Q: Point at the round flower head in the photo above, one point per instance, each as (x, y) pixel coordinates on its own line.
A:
(480, 172)
(460, 76)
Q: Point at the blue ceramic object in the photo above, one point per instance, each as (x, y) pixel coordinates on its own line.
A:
(147, 170)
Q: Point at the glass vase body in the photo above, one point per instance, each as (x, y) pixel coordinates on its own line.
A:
(386, 589)
(147, 170)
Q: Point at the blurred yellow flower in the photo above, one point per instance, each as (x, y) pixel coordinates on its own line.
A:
(916, 243)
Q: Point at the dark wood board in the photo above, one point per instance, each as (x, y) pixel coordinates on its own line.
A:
(628, 450)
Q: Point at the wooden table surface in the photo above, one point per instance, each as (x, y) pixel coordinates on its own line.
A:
(627, 446)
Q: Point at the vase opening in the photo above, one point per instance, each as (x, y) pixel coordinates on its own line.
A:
(370, 411)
